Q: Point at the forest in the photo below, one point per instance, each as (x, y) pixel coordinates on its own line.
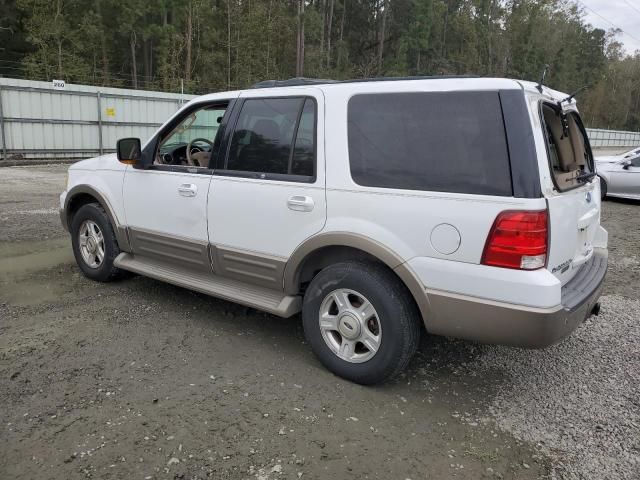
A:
(212, 45)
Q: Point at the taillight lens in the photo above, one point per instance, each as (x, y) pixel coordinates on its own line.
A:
(518, 239)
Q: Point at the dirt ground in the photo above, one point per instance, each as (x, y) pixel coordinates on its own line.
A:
(140, 379)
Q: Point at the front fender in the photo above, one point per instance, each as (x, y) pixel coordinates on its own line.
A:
(605, 175)
(82, 191)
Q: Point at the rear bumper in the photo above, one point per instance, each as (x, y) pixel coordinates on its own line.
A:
(507, 324)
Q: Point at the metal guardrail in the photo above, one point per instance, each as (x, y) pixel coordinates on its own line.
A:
(613, 138)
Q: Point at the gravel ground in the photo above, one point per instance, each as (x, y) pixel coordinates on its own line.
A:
(29, 202)
(579, 401)
(140, 379)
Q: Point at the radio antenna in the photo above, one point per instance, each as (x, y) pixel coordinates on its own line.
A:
(544, 74)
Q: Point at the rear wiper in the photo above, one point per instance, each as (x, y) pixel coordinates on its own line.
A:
(571, 97)
(583, 177)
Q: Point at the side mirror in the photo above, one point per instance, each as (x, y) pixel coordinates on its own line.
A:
(626, 164)
(129, 151)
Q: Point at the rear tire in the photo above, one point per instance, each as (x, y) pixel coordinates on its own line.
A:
(94, 243)
(603, 188)
(361, 321)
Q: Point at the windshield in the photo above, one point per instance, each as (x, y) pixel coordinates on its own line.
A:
(570, 157)
(632, 153)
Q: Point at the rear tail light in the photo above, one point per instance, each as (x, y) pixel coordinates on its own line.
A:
(518, 239)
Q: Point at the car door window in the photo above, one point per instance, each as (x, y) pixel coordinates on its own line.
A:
(192, 141)
(274, 138)
(635, 162)
(304, 150)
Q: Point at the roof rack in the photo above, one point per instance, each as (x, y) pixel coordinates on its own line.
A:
(292, 82)
(299, 81)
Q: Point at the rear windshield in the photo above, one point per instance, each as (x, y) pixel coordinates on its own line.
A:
(568, 147)
(437, 141)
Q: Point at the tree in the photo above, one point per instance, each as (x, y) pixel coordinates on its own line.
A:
(300, 44)
(226, 44)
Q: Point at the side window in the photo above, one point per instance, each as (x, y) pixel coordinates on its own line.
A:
(430, 141)
(191, 142)
(304, 152)
(635, 162)
(274, 136)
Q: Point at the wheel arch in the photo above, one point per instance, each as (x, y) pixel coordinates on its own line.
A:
(84, 194)
(325, 249)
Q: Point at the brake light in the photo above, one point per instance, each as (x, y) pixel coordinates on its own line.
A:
(518, 239)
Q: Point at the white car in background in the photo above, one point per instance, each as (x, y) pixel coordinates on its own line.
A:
(634, 152)
(620, 175)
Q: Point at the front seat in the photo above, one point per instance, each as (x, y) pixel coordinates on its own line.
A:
(264, 151)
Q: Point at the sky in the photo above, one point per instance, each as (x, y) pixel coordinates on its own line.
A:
(624, 14)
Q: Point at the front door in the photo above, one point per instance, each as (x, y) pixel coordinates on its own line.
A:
(626, 181)
(268, 196)
(165, 204)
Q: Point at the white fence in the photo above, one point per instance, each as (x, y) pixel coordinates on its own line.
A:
(40, 121)
(77, 121)
(612, 138)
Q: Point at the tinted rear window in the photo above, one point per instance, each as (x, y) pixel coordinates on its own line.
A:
(447, 142)
(263, 137)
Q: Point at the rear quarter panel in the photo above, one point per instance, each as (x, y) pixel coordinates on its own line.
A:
(403, 220)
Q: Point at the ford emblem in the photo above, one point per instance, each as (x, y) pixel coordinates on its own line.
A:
(588, 197)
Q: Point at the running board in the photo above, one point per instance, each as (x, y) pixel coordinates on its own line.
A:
(261, 298)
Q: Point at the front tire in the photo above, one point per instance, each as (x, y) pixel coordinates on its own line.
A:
(94, 243)
(361, 321)
(603, 188)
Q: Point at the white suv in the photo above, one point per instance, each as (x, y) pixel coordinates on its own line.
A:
(467, 206)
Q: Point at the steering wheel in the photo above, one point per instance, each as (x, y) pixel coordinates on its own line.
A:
(189, 145)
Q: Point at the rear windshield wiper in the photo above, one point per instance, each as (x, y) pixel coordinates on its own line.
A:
(583, 177)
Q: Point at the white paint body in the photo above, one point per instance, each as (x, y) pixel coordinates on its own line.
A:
(253, 214)
(154, 202)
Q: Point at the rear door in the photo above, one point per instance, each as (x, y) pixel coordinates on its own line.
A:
(574, 203)
(269, 194)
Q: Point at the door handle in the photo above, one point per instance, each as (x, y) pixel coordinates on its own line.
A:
(300, 203)
(188, 190)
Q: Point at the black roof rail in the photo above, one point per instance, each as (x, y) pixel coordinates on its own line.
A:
(412, 77)
(294, 82)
